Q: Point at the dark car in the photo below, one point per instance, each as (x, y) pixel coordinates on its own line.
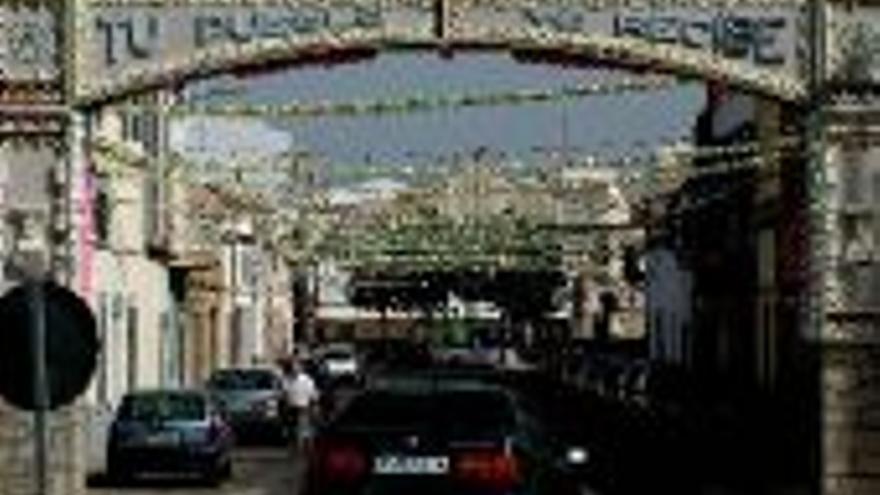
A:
(253, 400)
(168, 432)
(440, 438)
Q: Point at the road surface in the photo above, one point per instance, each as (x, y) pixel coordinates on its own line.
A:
(257, 471)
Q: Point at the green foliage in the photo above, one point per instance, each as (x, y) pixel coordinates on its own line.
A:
(525, 295)
(420, 258)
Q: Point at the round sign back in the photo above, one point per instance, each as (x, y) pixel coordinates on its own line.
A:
(71, 346)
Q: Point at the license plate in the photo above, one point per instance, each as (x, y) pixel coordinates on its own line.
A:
(411, 465)
(166, 438)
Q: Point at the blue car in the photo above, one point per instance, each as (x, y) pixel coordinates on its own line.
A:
(169, 432)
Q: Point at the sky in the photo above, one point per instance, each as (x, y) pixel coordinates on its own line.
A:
(629, 123)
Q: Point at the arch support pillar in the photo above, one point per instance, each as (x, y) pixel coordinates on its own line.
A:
(849, 343)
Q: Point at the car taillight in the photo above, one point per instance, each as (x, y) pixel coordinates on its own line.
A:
(341, 462)
(496, 470)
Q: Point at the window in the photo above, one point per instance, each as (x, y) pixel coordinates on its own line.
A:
(133, 361)
(658, 337)
(244, 380)
(102, 387)
(151, 197)
(249, 268)
(141, 128)
(458, 411)
(163, 406)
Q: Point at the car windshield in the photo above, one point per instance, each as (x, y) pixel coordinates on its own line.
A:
(181, 407)
(243, 380)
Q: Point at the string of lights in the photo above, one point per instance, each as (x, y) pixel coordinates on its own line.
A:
(556, 248)
(421, 103)
(117, 158)
(751, 163)
(636, 168)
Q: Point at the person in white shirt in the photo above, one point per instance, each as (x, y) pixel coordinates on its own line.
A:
(303, 397)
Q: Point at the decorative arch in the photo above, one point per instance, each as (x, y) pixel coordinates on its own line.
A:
(125, 46)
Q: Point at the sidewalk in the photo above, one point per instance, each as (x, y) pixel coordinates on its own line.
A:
(98, 422)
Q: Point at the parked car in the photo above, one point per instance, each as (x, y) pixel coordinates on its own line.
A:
(439, 437)
(165, 431)
(253, 400)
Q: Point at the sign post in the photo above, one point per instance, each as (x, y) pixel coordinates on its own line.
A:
(40, 384)
(48, 354)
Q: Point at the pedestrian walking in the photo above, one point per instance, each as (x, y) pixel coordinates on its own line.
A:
(303, 397)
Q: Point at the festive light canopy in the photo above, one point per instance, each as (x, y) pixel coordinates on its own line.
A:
(398, 233)
(421, 103)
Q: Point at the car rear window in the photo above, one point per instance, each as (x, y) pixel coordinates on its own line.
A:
(454, 410)
(182, 407)
(338, 355)
(243, 380)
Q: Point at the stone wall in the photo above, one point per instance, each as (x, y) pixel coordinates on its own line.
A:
(66, 466)
(851, 419)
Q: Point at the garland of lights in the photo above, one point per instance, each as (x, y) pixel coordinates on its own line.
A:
(727, 160)
(121, 157)
(452, 257)
(421, 102)
(430, 235)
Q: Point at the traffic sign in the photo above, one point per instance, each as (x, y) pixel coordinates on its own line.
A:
(71, 345)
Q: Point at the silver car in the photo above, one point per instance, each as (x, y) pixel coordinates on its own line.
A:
(253, 400)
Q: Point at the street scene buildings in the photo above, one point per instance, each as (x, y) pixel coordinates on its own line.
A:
(647, 228)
